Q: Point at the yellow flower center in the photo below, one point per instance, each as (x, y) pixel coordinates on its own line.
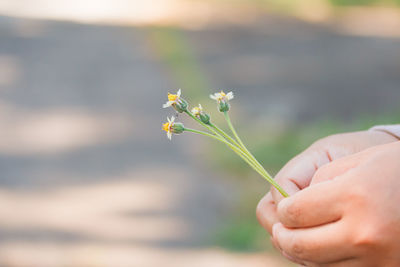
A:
(196, 110)
(166, 127)
(172, 97)
(221, 96)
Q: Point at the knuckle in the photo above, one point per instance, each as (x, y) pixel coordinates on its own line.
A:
(356, 197)
(318, 143)
(292, 213)
(365, 237)
(322, 170)
(298, 248)
(325, 140)
(322, 173)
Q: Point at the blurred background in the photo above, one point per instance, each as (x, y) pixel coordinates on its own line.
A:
(87, 176)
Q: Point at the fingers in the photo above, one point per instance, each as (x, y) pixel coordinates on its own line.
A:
(266, 212)
(338, 167)
(298, 172)
(315, 205)
(321, 244)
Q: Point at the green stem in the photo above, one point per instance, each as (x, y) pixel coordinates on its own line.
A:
(202, 123)
(244, 156)
(234, 148)
(202, 133)
(233, 141)
(267, 176)
(228, 120)
(240, 150)
(238, 145)
(218, 132)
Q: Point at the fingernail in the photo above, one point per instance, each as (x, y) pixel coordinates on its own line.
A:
(275, 228)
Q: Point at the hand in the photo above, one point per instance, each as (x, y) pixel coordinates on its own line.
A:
(349, 216)
(297, 174)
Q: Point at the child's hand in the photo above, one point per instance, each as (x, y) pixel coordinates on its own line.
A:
(350, 216)
(297, 174)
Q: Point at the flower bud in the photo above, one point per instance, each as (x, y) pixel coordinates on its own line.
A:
(199, 113)
(177, 128)
(223, 106)
(205, 118)
(181, 105)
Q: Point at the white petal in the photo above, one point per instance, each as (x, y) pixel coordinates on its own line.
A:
(172, 119)
(179, 93)
(213, 97)
(229, 95)
(169, 135)
(168, 104)
(201, 108)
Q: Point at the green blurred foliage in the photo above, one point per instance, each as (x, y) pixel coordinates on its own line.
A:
(353, 2)
(241, 234)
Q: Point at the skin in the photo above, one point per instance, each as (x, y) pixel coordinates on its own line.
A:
(329, 166)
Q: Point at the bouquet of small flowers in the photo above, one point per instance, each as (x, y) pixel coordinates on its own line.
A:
(199, 115)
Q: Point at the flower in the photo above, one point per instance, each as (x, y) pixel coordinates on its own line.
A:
(173, 99)
(221, 96)
(177, 102)
(223, 100)
(199, 113)
(197, 110)
(171, 127)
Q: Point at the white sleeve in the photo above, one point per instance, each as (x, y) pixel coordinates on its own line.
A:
(390, 129)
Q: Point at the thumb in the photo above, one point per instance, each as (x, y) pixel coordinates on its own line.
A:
(298, 172)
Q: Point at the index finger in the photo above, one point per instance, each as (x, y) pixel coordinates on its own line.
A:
(298, 172)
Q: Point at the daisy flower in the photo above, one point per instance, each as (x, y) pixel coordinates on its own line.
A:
(221, 96)
(222, 100)
(176, 101)
(199, 113)
(171, 127)
(197, 110)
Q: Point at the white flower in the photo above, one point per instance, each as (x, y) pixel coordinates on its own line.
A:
(168, 127)
(221, 96)
(222, 100)
(197, 110)
(173, 99)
